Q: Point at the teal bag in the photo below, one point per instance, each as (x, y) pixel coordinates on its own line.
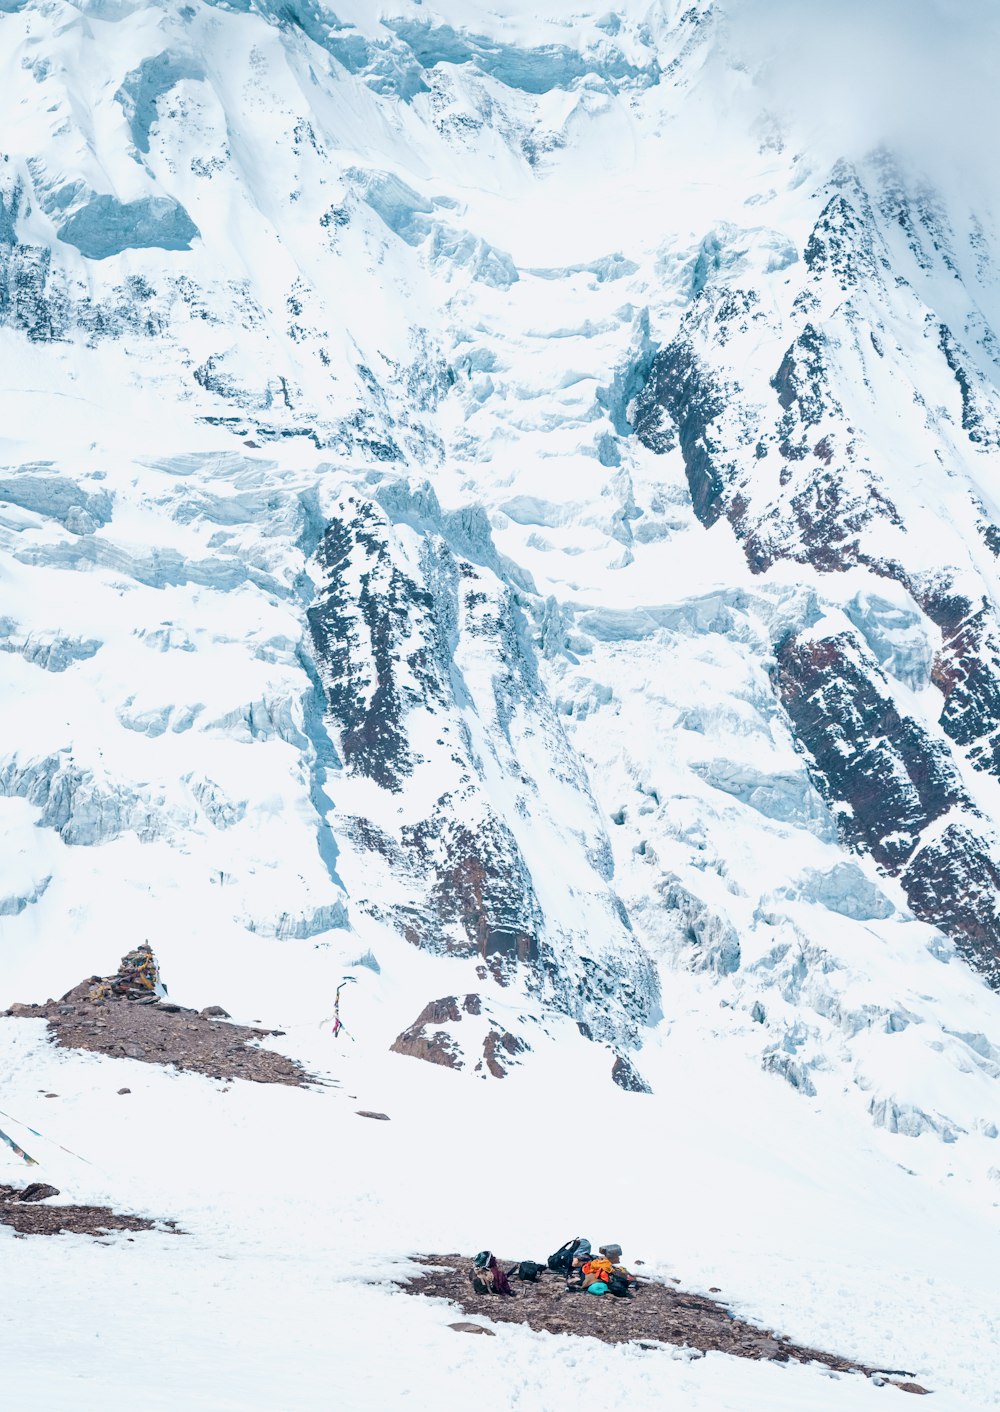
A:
(598, 1287)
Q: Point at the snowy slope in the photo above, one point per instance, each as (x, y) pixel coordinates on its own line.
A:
(487, 511)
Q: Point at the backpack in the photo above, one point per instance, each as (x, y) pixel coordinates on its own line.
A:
(620, 1283)
(482, 1260)
(562, 1260)
(598, 1287)
(529, 1270)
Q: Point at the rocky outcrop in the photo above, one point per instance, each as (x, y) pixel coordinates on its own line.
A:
(627, 1076)
(435, 706)
(490, 1048)
(794, 454)
(894, 789)
(435, 1045)
(680, 403)
(966, 670)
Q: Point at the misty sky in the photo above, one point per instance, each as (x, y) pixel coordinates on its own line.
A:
(919, 75)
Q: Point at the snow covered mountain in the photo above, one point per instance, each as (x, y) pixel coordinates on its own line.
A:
(492, 507)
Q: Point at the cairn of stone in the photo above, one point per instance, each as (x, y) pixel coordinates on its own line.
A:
(137, 978)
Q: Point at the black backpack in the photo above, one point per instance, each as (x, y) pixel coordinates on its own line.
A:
(620, 1284)
(529, 1270)
(562, 1260)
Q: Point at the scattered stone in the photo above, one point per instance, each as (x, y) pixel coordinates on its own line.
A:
(657, 1315)
(34, 1191)
(714, 1289)
(120, 1026)
(124, 1090)
(364, 1113)
(214, 1012)
(20, 1208)
(465, 1328)
(911, 1387)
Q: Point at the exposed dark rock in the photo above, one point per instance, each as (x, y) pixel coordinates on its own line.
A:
(682, 389)
(359, 625)
(801, 382)
(480, 883)
(34, 1191)
(954, 883)
(966, 670)
(627, 1076)
(840, 245)
(893, 778)
(499, 1047)
(886, 775)
(365, 1113)
(436, 1047)
(888, 781)
(438, 1012)
(19, 1209)
(431, 1037)
(978, 422)
(422, 655)
(832, 494)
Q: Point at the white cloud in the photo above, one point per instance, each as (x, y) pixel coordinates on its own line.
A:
(917, 75)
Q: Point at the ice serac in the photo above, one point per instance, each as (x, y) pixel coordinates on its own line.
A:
(105, 226)
(467, 820)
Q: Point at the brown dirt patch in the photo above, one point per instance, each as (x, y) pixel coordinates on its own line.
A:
(658, 1313)
(163, 1033)
(30, 1215)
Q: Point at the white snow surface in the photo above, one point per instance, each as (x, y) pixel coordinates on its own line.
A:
(432, 240)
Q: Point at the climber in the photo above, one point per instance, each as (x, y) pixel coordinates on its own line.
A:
(581, 1255)
(487, 1277)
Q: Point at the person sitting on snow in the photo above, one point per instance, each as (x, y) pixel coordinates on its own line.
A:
(580, 1257)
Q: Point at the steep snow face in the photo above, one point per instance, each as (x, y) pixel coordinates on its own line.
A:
(472, 827)
(484, 512)
(838, 422)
